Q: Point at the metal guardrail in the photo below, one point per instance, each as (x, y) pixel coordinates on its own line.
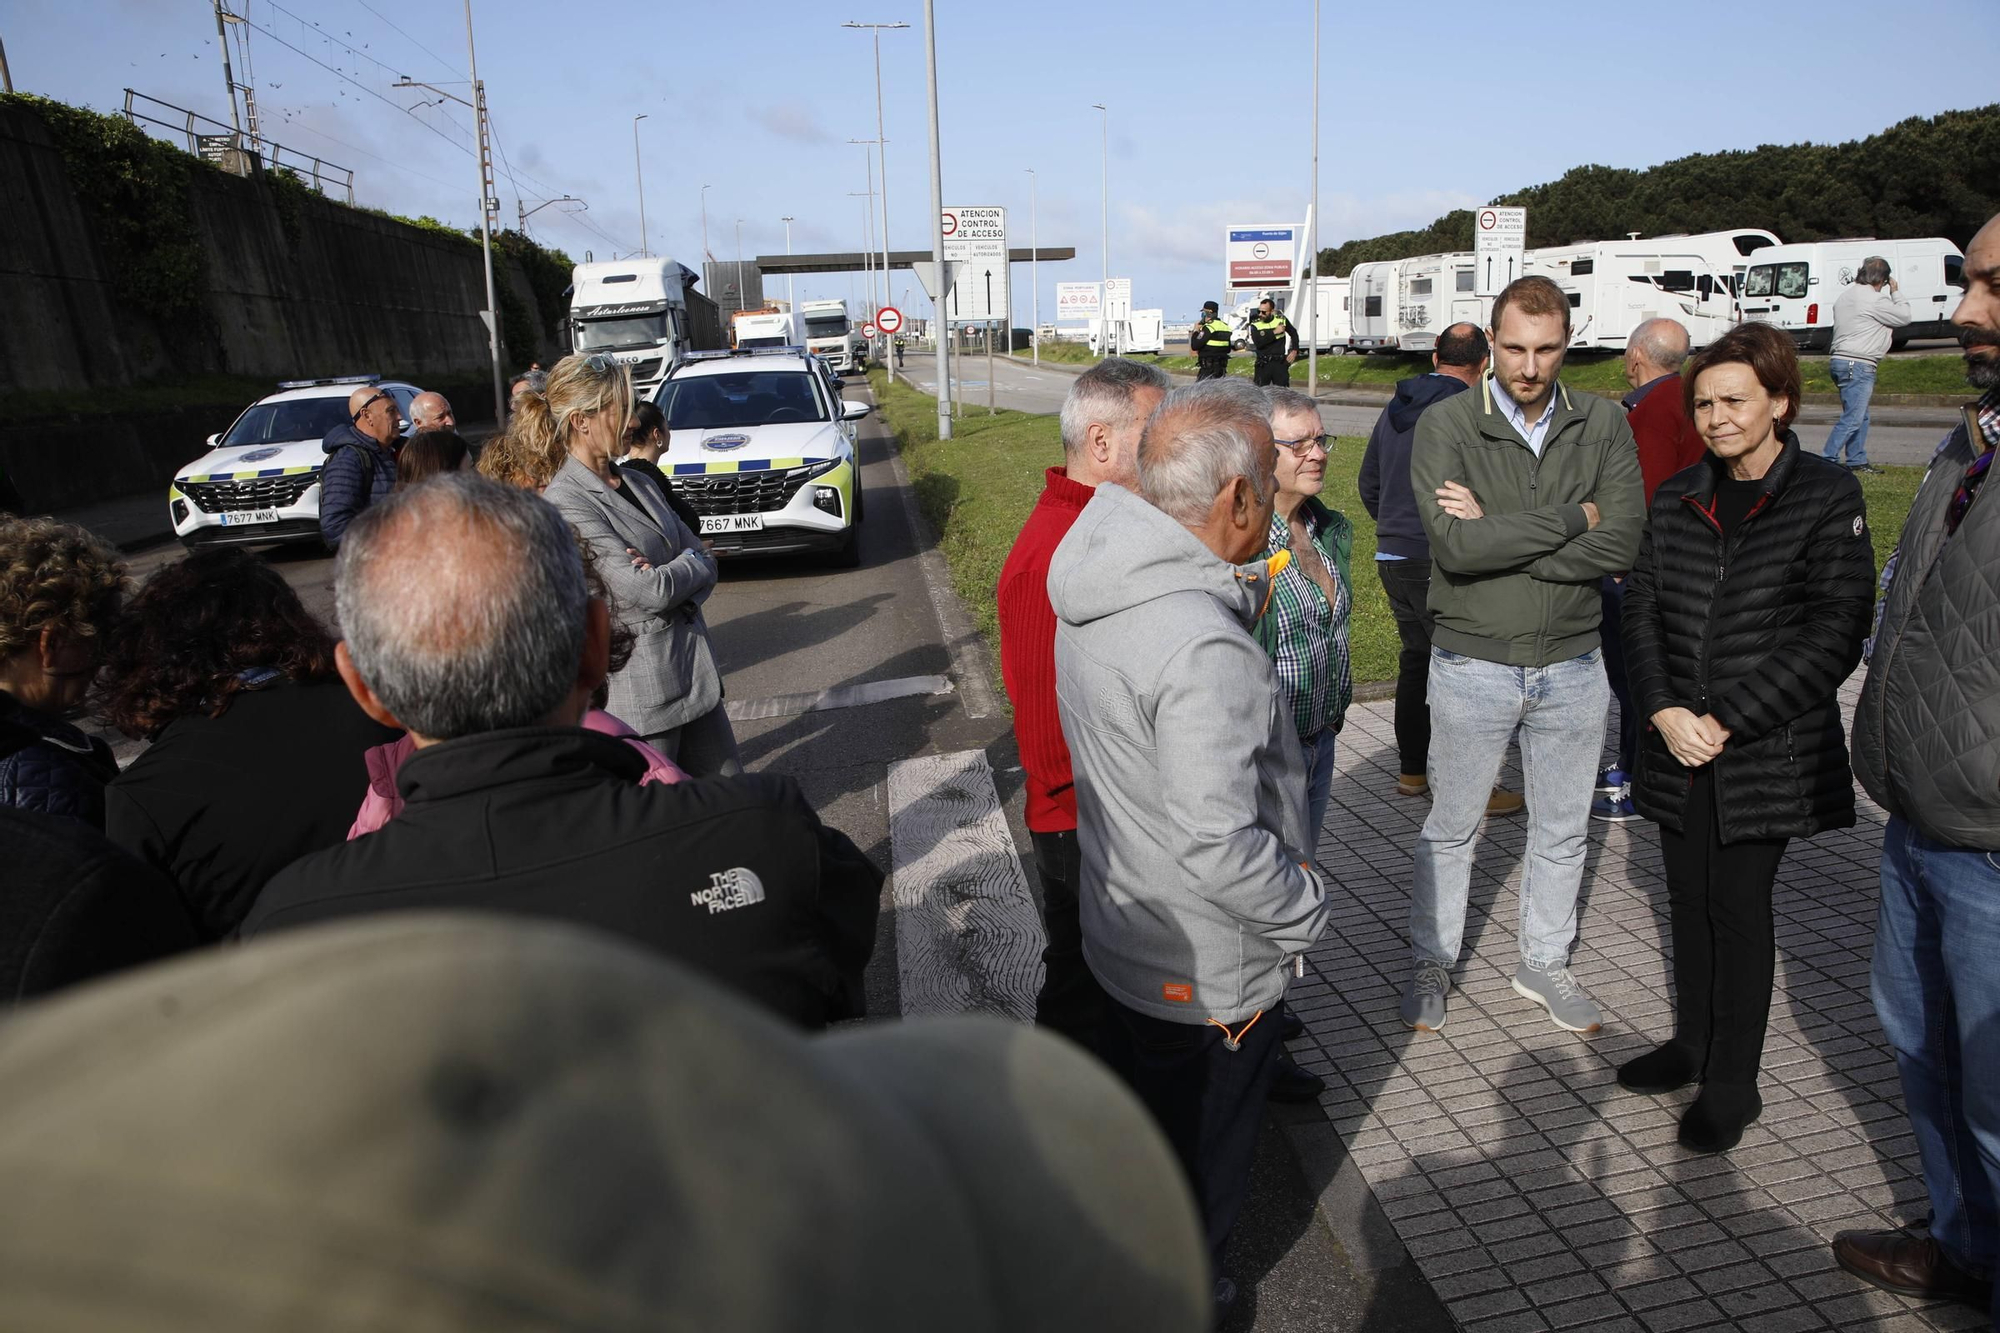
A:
(211, 146)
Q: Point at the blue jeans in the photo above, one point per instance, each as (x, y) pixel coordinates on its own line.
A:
(1937, 992)
(1476, 707)
(1856, 382)
(1319, 783)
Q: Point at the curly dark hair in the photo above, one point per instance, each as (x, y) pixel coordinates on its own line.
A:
(193, 628)
(55, 575)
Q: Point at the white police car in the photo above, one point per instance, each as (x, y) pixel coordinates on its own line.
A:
(259, 481)
(761, 446)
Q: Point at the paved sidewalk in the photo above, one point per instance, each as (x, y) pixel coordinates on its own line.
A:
(1532, 1191)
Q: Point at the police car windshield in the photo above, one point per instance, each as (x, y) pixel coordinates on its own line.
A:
(740, 398)
(633, 331)
(287, 422)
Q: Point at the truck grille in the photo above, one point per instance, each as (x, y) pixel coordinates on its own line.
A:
(644, 372)
(741, 492)
(229, 497)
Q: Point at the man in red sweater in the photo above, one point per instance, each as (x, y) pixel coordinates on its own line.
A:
(1656, 409)
(1102, 420)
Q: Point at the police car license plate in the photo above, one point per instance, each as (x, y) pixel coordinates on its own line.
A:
(732, 523)
(250, 516)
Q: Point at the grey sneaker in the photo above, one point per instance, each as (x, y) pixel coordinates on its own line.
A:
(1553, 988)
(1423, 1002)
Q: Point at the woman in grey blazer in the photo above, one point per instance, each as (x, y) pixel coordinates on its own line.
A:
(658, 572)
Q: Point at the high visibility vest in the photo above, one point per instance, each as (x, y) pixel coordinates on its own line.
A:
(1218, 335)
(1275, 324)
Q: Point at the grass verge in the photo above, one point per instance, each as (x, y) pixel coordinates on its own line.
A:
(1595, 372)
(977, 489)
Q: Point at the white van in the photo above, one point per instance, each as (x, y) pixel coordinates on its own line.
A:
(1615, 286)
(1373, 291)
(1795, 286)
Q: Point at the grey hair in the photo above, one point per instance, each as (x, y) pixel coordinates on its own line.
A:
(1291, 402)
(462, 601)
(1874, 271)
(1201, 438)
(1103, 396)
(1661, 342)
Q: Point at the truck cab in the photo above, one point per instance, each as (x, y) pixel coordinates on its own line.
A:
(633, 310)
(831, 335)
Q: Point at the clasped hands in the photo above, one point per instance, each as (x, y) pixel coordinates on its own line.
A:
(1693, 740)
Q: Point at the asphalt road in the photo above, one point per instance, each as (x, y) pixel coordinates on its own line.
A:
(1897, 436)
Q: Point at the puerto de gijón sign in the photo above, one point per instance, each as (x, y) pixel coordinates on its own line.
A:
(1260, 254)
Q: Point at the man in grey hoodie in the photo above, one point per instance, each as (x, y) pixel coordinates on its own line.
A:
(1198, 897)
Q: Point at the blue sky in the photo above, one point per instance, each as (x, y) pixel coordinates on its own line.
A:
(1422, 108)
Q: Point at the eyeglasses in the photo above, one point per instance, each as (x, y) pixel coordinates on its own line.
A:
(379, 396)
(1299, 448)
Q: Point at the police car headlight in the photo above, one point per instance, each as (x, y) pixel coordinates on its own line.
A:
(827, 500)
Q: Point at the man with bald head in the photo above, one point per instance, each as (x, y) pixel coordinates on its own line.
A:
(360, 465)
(1656, 410)
(470, 624)
(431, 411)
(1198, 897)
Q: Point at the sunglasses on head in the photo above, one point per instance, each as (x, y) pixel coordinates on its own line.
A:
(379, 396)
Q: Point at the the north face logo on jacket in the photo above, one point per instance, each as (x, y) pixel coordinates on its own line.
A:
(726, 889)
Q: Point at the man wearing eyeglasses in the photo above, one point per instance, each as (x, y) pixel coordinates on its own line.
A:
(360, 460)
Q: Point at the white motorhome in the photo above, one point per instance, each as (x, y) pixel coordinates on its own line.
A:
(830, 334)
(1373, 291)
(1330, 325)
(1795, 286)
(1143, 331)
(1433, 292)
(1727, 252)
(1615, 286)
(634, 310)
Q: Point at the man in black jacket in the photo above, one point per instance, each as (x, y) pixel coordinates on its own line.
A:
(1403, 552)
(468, 622)
(360, 465)
(1277, 344)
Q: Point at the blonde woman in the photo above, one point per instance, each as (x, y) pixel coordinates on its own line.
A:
(657, 571)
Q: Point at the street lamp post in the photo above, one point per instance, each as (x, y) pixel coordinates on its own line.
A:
(639, 171)
(1034, 269)
(707, 255)
(868, 231)
(881, 136)
(791, 280)
(1312, 231)
(742, 292)
(1104, 241)
(937, 225)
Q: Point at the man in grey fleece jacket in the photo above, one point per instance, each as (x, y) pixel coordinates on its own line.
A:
(1198, 897)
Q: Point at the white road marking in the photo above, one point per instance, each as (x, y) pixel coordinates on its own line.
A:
(968, 937)
(840, 696)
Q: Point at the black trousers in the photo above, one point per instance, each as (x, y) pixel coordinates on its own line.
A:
(1408, 583)
(1725, 955)
(1211, 365)
(1070, 1001)
(1207, 1099)
(1273, 371)
(1613, 601)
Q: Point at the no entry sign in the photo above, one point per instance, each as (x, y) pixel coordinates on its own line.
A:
(889, 319)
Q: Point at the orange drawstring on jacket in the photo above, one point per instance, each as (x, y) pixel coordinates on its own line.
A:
(1234, 1040)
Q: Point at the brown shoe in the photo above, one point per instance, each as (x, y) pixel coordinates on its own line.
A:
(1504, 802)
(1909, 1266)
(1413, 784)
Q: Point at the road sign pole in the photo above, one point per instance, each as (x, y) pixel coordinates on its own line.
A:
(990, 409)
(937, 222)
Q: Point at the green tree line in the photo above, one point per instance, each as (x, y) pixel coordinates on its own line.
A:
(1927, 176)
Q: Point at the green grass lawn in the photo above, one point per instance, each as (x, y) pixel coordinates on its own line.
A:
(977, 489)
(1597, 372)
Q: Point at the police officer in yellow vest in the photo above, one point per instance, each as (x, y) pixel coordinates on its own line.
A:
(1209, 341)
(1277, 344)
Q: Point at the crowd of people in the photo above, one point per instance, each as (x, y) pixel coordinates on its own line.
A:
(1175, 624)
(520, 715)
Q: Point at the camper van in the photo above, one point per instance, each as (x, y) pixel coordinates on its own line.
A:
(1727, 252)
(1795, 286)
(1433, 292)
(1144, 331)
(1615, 286)
(1328, 325)
(1372, 295)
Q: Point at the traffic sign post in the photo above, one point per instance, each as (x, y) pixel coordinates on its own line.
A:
(868, 332)
(975, 238)
(1499, 248)
(1117, 313)
(889, 320)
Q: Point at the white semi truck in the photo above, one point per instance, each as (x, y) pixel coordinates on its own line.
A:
(643, 312)
(830, 334)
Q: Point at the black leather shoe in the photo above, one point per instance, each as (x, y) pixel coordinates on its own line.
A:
(1659, 1070)
(1291, 1026)
(1294, 1084)
(1909, 1266)
(1718, 1117)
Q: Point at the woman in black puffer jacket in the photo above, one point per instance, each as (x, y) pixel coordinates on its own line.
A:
(1745, 612)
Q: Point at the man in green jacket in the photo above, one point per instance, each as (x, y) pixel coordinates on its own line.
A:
(1529, 495)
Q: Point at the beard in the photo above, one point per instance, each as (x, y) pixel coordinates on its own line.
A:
(1982, 372)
